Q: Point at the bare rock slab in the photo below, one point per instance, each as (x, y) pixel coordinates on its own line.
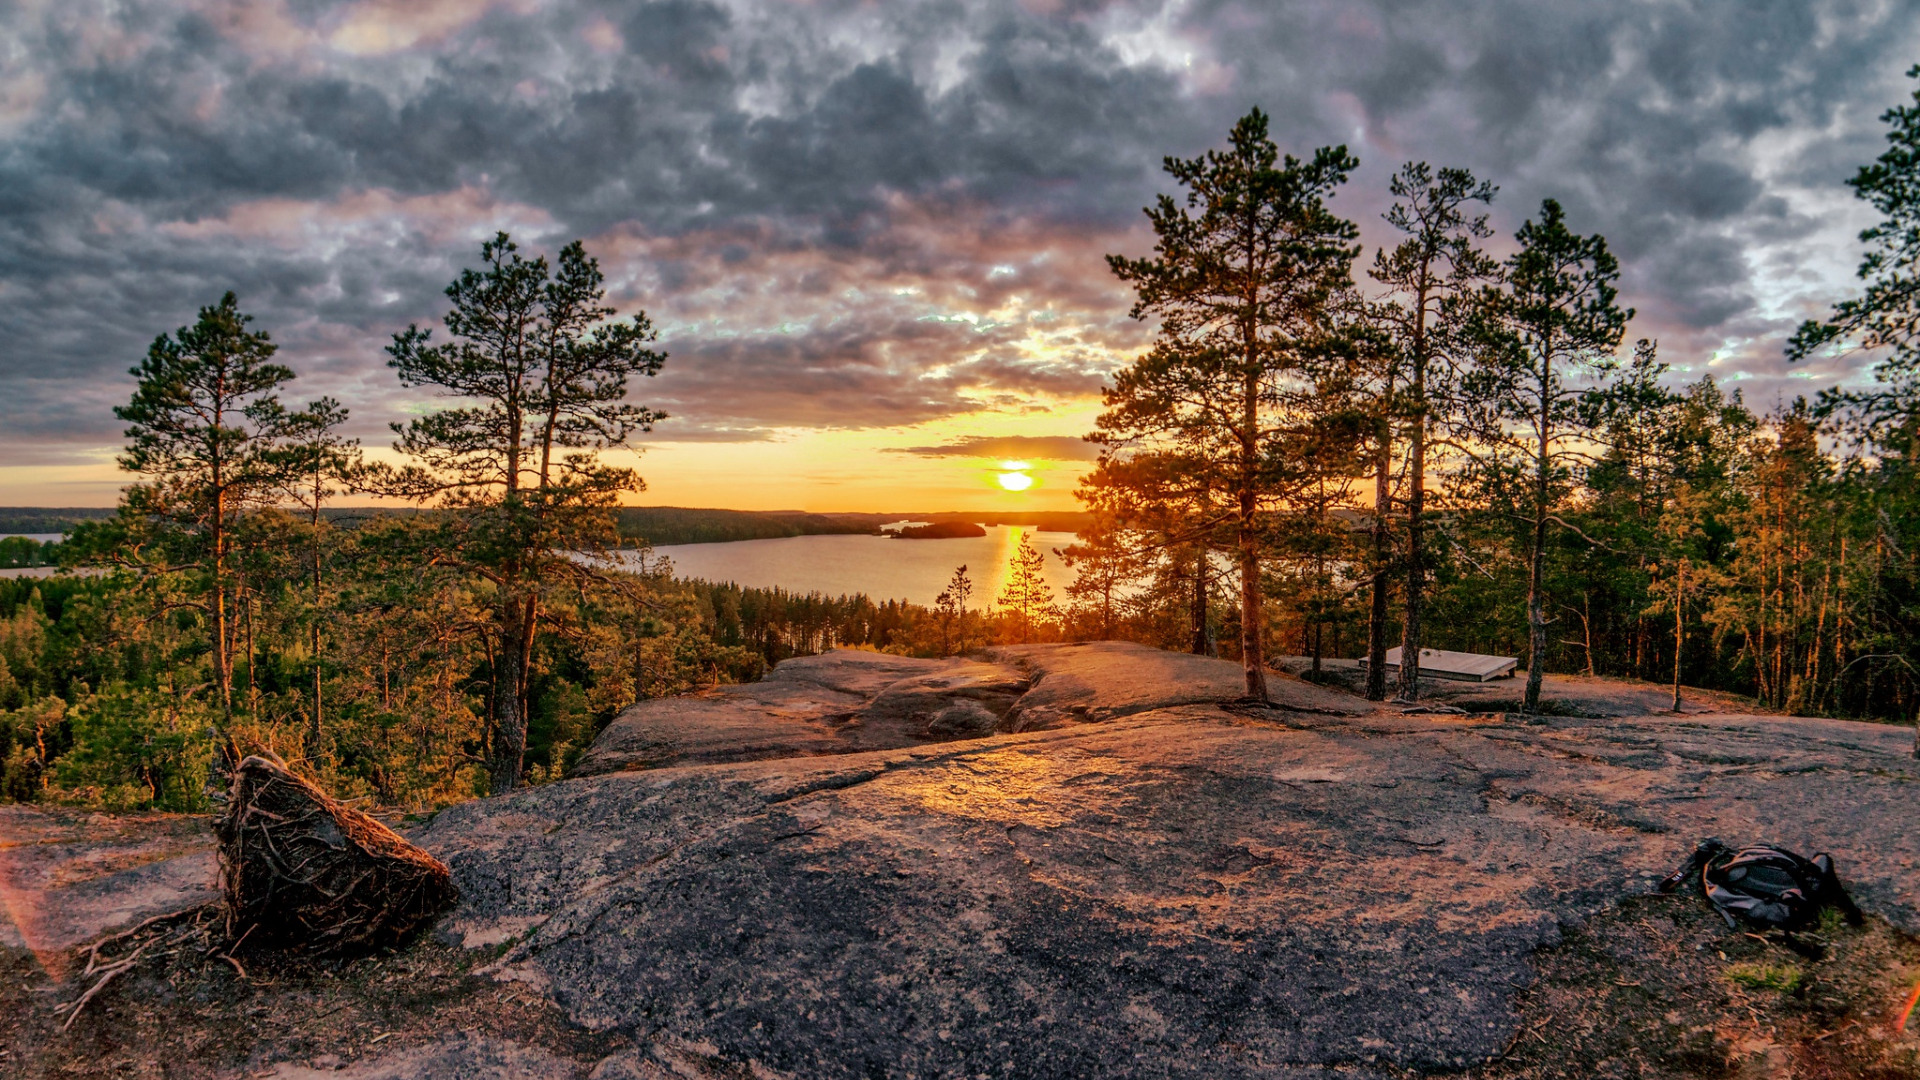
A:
(68, 876)
(841, 702)
(1185, 891)
(1148, 898)
(1088, 682)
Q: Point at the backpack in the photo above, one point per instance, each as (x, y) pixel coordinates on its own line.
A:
(1765, 886)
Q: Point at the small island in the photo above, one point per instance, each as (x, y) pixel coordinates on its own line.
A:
(940, 530)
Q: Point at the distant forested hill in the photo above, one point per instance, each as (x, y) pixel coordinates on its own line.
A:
(686, 525)
(48, 519)
(657, 524)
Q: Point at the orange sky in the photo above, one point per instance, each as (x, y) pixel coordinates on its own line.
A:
(864, 470)
(795, 469)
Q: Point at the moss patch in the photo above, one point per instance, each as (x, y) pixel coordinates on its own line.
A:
(1780, 978)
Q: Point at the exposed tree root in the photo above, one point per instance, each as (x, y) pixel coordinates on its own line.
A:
(301, 871)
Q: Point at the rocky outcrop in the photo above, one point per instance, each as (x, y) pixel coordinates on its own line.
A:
(842, 702)
(1157, 883)
(848, 702)
(1089, 682)
(1175, 890)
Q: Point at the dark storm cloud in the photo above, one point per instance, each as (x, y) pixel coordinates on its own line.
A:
(1010, 447)
(1660, 125)
(845, 214)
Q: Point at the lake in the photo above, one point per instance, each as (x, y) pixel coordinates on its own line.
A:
(881, 567)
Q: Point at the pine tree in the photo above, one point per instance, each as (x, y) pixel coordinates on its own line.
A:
(1884, 419)
(315, 463)
(549, 373)
(1106, 565)
(950, 609)
(1430, 278)
(204, 421)
(1886, 317)
(1155, 513)
(1026, 594)
(1551, 329)
(1242, 276)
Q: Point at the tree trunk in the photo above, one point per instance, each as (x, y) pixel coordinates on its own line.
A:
(1536, 615)
(314, 722)
(1252, 660)
(1536, 564)
(222, 652)
(1197, 607)
(1251, 654)
(1377, 618)
(246, 620)
(1679, 627)
(1409, 686)
(509, 697)
(1586, 628)
(1536, 586)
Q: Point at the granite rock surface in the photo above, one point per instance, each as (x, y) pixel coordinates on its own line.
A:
(1155, 882)
(841, 702)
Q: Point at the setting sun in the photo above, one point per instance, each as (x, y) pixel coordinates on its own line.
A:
(1013, 476)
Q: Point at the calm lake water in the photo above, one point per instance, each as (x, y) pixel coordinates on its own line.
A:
(881, 567)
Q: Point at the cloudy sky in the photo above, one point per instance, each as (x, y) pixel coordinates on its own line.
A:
(871, 232)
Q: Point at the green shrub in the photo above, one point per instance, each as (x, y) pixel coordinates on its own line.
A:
(27, 737)
(137, 749)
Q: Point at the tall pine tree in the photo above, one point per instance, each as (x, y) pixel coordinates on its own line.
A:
(1243, 272)
(203, 425)
(1547, 334)
(548, 370)
(1429, 278)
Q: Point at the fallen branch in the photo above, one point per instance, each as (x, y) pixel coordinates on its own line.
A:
(106, 976)
(93, 950)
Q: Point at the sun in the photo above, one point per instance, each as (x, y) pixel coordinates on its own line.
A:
(1013, 476)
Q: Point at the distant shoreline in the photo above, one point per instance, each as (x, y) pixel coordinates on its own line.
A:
(660, 526)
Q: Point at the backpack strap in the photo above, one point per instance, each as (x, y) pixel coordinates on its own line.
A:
(1830, 890)
(1695, 864)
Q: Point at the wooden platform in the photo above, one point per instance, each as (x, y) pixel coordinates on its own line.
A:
(1464, 666)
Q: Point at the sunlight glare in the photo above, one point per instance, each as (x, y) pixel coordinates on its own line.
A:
(1015, 481)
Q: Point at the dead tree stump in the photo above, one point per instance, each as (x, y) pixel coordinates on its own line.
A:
(303, 872)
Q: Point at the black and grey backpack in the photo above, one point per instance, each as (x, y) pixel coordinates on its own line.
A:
(1764, 886)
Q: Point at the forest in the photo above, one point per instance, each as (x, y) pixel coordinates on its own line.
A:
(1444, 448)
(1457, 443)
